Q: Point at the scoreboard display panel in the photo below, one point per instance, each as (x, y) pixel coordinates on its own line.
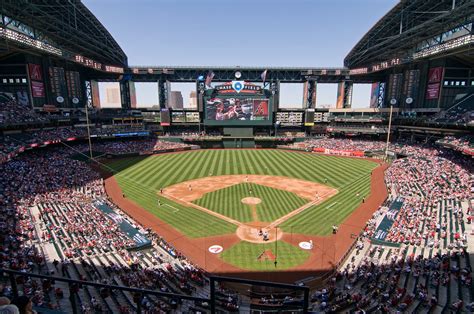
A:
(151, 116)
(192, 117)
(237, 111)
(238, 103)
(292, 118)
(178, 117)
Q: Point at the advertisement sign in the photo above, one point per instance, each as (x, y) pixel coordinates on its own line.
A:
(133, 94)
(374, 95)
(309, 117)
(36, 81)
(37, 89)
(435, 75)
(432, 91)
(238, 87)
(35, 72)
(73, 80)
(58, 85)
(165, 117)
(95, 94)
(340, 95)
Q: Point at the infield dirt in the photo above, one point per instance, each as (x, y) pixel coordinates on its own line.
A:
(328, 251)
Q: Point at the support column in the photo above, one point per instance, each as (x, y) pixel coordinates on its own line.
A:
(163, 87)
(200, 89)
(125, 94)
(348, 89)
(344, 94)
(310, 94)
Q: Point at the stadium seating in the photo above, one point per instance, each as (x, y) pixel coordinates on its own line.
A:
(12, 112)
(412, 255)
(460, 113)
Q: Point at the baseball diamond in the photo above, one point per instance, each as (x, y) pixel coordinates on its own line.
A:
(200, 195)
(199, 167)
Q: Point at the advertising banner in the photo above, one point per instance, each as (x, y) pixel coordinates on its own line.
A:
(74, 89)
(165, 117)
(432, 91)
(37, 89)
(58, 85)
(435, 75)
(374, 95)
(35, 72)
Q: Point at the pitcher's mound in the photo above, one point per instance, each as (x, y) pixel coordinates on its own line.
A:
(250, 232)
(251, 200)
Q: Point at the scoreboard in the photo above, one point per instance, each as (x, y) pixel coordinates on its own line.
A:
(73, 81)
(291, 118)
(58, 86)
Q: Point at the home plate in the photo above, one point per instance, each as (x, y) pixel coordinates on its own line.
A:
(216, 249)
(306, 245)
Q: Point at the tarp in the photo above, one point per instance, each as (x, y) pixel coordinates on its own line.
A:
(140, 239)
(387, 222)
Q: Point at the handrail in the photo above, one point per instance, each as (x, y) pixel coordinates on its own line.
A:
(75, 284)
(139, 293)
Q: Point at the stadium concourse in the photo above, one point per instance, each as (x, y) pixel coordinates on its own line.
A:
(415, 253)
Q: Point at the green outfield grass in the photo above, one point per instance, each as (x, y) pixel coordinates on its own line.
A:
(245, 256)
(275, 203)
(140, 179)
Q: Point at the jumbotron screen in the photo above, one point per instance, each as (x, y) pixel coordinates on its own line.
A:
(237, 111)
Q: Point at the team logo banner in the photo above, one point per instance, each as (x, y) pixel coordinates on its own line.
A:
(238, 85)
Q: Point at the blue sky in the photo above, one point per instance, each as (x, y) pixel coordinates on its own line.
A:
(312, 33)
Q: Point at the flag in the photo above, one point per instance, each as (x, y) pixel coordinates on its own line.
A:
(209, 78)
(264, 75)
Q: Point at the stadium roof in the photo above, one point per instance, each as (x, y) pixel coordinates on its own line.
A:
(70, 25)
(405, 26)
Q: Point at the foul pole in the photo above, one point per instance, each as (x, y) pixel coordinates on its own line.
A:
(88, 132)
(388, 134)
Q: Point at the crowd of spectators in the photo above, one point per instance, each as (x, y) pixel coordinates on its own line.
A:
(12, 112)
(14, 143)
(137, 146)
(341, 144)
(428, 267)
(46, 197)
(463, 144)
(432, 186)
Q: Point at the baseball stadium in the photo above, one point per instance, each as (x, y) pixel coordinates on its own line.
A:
(236, 203)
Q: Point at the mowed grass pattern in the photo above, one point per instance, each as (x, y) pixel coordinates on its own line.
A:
(275, 203)
(245, 256)
(141, 178)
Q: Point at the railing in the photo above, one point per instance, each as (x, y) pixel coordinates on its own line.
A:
(139, 294)
(75, 285)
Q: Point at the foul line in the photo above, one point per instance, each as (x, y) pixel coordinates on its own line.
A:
(327, 207)
(175, 209)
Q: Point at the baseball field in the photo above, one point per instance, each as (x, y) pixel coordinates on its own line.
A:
(250, 204)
